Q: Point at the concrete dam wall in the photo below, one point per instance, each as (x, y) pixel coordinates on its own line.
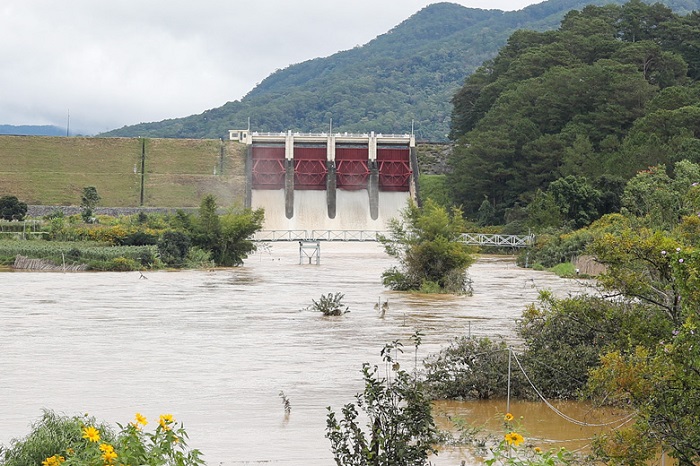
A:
(329, 181)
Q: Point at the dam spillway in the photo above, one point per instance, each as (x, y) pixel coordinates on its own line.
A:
(328, 181)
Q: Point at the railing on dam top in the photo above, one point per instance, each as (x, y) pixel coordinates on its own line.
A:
(317, 235)
(473, 239)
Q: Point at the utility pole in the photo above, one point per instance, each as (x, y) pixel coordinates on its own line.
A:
(510, 355)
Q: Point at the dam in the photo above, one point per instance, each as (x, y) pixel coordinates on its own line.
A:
(328, 181)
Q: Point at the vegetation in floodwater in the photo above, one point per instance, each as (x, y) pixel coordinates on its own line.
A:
(330, 304)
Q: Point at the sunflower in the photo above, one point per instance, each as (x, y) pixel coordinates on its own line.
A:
(91, 434)
(514, 438)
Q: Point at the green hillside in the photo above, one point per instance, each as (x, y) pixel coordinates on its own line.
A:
(567, 117)
(408, 74)
(178, 172)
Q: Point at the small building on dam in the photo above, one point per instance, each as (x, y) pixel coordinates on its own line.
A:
(328, 181)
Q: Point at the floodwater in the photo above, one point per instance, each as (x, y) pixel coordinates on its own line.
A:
(216, 348)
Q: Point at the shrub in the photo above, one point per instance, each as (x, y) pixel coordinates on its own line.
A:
(12, 209)
(426, 243)
(471, 368)
(51, 435)
(80, 441)
(401, 430)
(173, 247)
(198, 259)
(330, 304)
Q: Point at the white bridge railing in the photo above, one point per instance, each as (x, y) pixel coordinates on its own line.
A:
(317, 235)
(509, 241)
(474, 239)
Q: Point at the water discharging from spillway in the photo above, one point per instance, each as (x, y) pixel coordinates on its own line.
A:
(216, 348)
(311, 212)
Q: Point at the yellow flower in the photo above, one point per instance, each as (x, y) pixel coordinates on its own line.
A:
(514, 438)
(164, 420)
(508, 417)
(54, 460)
(105, 447)
(109, 456)
(91, 434)
(141, 419)
(538, 450)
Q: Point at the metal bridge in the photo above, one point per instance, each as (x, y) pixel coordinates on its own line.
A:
(473, 239)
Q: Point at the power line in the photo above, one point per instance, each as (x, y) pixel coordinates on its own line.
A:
(622, 420)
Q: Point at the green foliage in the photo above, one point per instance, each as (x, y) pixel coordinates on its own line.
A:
(556, 247)
(173, 247)
(225, 237)
(425, 242)
(85, 251)
(198, 258)
(330, 304)
(51, 435)
(565, 269)
(531, 118)
(559, 331)
(80, 441)
(433, 187)
(508, 452)
(638, 262)
(12, 209)
(400, 428)
(88, 201)
(473, 369)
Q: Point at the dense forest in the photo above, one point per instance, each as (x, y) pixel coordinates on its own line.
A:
(408, 74)
(566, 117)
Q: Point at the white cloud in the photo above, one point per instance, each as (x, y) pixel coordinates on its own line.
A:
(116, 63)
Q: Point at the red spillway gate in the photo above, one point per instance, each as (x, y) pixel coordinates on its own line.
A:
(394, 168)
(351, 168)
(268, 167)
(310, 168)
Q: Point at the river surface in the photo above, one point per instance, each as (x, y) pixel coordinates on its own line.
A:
(216, 348)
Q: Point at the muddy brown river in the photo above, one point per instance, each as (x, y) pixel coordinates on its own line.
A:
(216, 348)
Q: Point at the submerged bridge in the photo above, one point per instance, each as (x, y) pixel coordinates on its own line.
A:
(472, 239)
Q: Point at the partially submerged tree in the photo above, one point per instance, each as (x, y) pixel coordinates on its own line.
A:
(227, 237)
(426, 242)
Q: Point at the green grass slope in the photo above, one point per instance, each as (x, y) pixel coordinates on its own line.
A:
(178, 172)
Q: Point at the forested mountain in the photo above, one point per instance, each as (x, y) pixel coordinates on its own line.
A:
(409, 73)
(613, 91)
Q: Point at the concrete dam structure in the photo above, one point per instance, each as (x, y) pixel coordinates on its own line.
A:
(328, 181)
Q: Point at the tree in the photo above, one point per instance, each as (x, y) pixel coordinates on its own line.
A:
(426, 243)
(173, 247)
(88, 201)
(401, 430)
(577, 200)
(227, 237)
(661, 383)
(12, 209)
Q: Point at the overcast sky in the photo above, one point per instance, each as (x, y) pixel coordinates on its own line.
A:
(110, 63)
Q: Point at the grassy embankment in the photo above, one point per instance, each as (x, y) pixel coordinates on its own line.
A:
(177, 172)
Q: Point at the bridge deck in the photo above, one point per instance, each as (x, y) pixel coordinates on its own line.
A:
(474, 239)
